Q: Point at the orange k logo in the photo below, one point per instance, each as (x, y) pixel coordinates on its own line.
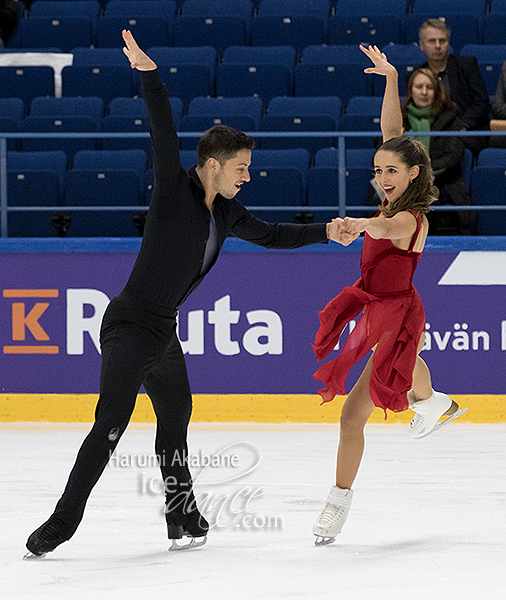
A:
(22, 321)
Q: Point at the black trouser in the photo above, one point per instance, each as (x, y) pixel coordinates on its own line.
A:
(138, 347)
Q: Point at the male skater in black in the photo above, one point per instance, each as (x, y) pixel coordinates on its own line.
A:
(190, 216)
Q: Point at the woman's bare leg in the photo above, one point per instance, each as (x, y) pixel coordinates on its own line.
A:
(422, 384)
(356, 412)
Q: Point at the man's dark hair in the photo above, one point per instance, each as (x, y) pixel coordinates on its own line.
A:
(222, 143)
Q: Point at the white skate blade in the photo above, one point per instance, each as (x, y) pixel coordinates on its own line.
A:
(438, 426)
(324, 541)
(31, 556)
(193, 543)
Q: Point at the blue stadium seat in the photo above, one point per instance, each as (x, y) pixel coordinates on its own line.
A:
(450, 7)
(220, 23)
(105, 178)
(136, 8)
(107, 81)
(370, 7)
(129, 115)
(150, 22)
(494, 23)
(404, 53)
(148, 29)
(59, 125)
(490, 61)
(278, 178)
(488, 187)
(375, 29)
(367, 21)
(11, 115)
(204, 8)
(89, 106)
(58, 115)
(350, 122)
(99, 57)
(364, 105)
(34, 179)
(68, 8)
(262, 71)
(297, 23)
(63, 33)
(492, 157)
(323, 181)
(246, 55)
(332, 71)
(187, 72)
(362, 114)
(498, 7)
(317, 113)
(134, 160)
(26, 82)
(203, 113)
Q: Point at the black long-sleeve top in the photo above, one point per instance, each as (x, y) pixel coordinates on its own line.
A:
(468, 91)
(170, 260)
(446, 153)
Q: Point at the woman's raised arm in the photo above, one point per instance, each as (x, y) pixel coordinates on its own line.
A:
(391, 116)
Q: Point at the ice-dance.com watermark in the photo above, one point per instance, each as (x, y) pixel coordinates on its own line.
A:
(217, 484)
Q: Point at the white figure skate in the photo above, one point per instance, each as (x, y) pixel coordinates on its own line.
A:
(428, 412)
(333, 516)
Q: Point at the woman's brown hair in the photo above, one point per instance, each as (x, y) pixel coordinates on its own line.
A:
(421, 192)
(441, 102)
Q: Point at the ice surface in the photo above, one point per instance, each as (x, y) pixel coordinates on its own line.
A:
(428, 518)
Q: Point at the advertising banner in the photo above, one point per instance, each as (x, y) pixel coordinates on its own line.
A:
(249, 327)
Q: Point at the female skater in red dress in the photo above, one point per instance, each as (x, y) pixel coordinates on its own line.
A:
(393, 319)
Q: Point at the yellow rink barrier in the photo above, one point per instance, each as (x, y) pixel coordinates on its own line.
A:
(230, 408)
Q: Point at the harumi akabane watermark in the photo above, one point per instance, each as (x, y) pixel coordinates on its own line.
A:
(224, 500)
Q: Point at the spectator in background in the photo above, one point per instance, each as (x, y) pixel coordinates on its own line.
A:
(499, 110)
(9, 16)
(428, 108)
(461, 78)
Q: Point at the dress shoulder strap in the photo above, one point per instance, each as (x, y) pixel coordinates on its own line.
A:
(417, 232)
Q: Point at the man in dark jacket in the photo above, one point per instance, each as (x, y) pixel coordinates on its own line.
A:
(461, 78)
(8, 19)
(191, 214)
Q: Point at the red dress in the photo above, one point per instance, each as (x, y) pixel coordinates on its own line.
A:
(393, 318)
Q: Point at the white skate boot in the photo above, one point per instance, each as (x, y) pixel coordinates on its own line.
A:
(333, 516)
(428, 412)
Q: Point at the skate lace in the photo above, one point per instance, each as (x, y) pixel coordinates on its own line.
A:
(417, 421)
(329, 514)
(50, 533)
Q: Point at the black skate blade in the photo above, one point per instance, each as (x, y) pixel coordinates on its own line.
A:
(31, 556)
(324, 541)
(193, 543)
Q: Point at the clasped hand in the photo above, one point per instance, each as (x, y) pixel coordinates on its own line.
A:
(344, 231)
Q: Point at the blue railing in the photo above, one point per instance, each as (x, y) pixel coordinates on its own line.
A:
(341, 209)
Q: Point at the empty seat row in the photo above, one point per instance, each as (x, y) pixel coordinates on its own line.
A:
(278, 178)
(262, 71)
(191, 72)
(121, 178)
(85, 115)
(221, 23)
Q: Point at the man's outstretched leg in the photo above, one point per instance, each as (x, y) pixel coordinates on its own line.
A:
(167, 386)
(129, 351)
